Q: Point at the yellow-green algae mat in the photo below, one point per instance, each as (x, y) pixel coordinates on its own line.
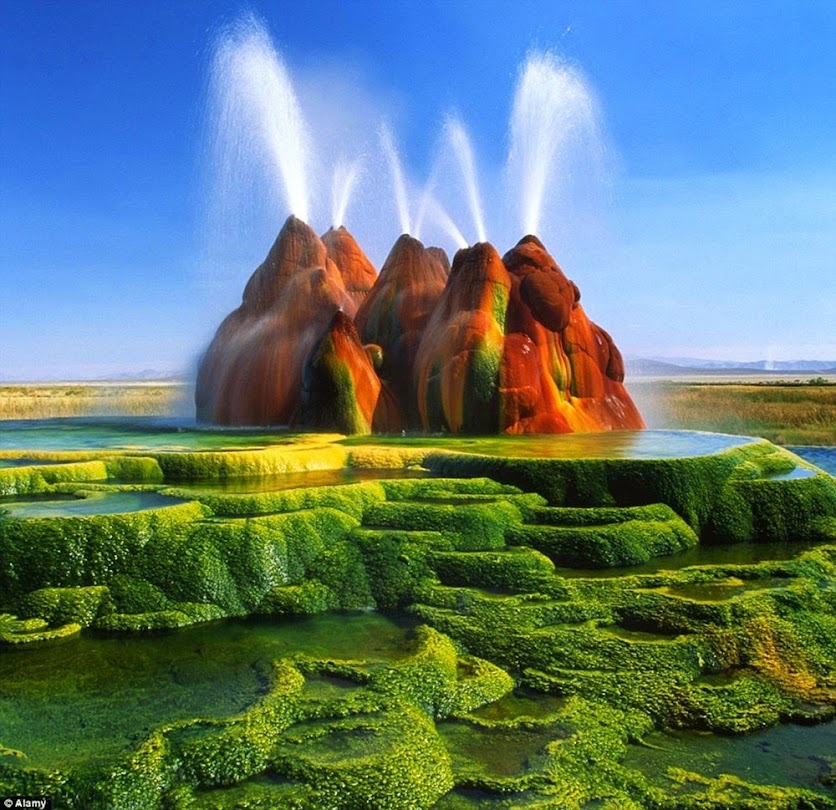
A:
(459, 627)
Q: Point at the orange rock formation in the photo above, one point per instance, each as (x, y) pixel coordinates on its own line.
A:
(492, 345)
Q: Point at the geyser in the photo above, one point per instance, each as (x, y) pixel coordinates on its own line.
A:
(321, 341)
(554, 119)
(488, 345)
(257, 115)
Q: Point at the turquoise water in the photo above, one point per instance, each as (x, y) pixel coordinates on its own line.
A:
(89, 698)
(609, 444)
(130, 433)
(824, 457)
(96, 503)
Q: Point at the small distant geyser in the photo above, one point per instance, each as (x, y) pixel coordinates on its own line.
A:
(489, 345)
(323, 342)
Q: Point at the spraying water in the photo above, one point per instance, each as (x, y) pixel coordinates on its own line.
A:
(424, 203)
(342, 186)
(256, 111)
(433, 207)
(554, 114)
(388, 144)
(262, 144)
(460, 142)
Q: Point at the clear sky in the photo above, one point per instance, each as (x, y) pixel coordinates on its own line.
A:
(712, 235)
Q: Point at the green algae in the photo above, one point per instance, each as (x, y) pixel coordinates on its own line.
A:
(700, 555)
(786, 756)
(521, 703)
(91, 698)
(497, 751)
(526, 685)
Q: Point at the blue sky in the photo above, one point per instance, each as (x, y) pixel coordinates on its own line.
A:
(713, 233)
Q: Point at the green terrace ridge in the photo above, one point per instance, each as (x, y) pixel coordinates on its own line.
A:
(487, 631)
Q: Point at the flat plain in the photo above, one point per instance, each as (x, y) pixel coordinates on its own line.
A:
(785, 412)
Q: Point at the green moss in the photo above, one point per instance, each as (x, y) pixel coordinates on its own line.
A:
(388, 760)
(297, 600)
(311, 454)
(64, 605)
(476, 526)
(396, 563)
(65, 552)
(467, 556)
(352, 499)
(695, 488)
(16, 632)
(134, 468)
(411, 488)
(606, 546)
(515, 570)
(782, 509)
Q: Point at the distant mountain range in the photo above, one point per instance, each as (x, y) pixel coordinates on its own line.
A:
(146, 375)
(635, 367)
(673, 366)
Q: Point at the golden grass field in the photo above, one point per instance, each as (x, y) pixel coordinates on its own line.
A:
(783, 413)
(50, 400)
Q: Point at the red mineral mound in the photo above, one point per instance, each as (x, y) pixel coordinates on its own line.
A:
(492, 345)
(340, 388)
(252, 372)
(560, 372)
(357, 271)
(395, 314)
(458, 360)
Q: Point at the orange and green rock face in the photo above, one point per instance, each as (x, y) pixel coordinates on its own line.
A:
(395, 316)
(458, 361)
(340, 388)
(561, 372)
(493, 345)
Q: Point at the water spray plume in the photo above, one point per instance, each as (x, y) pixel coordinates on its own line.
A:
(460, 142)
(342, 185)
(256, 107)
(554, 111)
(423, 203)
(388, 144)
(434, 208)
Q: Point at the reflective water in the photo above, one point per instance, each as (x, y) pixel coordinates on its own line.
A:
(720, 590)
(90, 698)
(520, 703)
(824, 457)
(499, 751)
(309, 478)
(96, 503)
(152, 433)
(788, 755)
(609, 444)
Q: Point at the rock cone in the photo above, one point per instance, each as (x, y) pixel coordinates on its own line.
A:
(395, 315)
(252, 372)
(488, 346)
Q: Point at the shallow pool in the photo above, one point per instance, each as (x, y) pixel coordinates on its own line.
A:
(96, 503)
(824, 457)
(610, 444)
(91, 698)
(134, 433)
(787, 755)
